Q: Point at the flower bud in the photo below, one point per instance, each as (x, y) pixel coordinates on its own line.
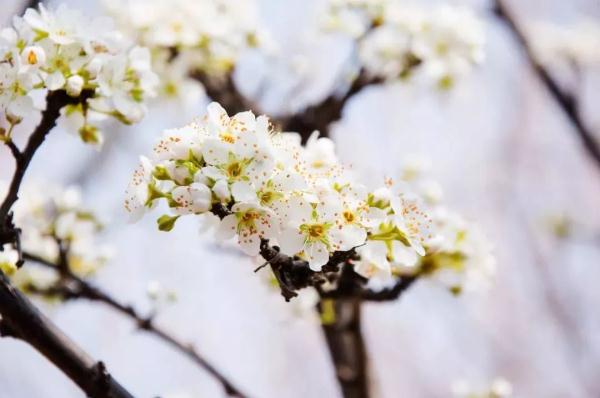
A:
(74, 85)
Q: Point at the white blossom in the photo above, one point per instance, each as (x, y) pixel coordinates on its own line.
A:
(267, 187)
(8, 259)
(189, 37)
(49, 216)
(61, 49)
(577, 42)
(394, 40)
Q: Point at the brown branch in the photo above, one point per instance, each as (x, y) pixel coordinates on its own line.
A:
(78, 288)
(224, 91)
(320, 116)
(22, 320)
(564, 100)
(55, 101)
(346, 346)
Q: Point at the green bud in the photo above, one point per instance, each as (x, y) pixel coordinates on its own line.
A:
(166, 223)
(89, 134)
(161, 173)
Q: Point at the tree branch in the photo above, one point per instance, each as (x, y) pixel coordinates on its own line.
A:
(78, 288)
(22, 320)
(565, 101)
(346, 345)
(320, 116)
(55, 101)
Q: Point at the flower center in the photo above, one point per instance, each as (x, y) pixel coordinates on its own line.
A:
(316, 231)
(228, 137)
(234, 170)
(348, 216)
(32, 58)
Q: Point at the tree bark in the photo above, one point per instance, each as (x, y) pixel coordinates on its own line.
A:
(22, 320)
(342, 327)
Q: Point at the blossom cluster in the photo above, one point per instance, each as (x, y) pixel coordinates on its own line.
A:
(459, 256)
(54, 223)
(259, 185)
(188, 37)
(396, 41)
(578, 43)
(499, 388)
(51, 50)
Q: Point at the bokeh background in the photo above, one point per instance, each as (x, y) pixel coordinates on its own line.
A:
(506, 157)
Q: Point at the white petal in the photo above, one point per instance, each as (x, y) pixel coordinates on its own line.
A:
(243, 191)
(250, 244)
(291, 241)
(55, 81)
(317, 255)
(227, 228)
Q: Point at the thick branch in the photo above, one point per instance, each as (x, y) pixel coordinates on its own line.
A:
(564, 100)
(320, 116)
(78, 288)
(224, 91)
(20, 319)
(346, 346)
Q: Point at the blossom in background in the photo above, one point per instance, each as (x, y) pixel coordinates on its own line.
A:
(577, 43)
(499, 388)
(48, 50)
(266, 187)
(8, 259)
(396, 41)
(445, 247)
(188, 37)
(51, 219)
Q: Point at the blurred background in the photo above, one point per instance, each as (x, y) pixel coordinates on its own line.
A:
(506, 157)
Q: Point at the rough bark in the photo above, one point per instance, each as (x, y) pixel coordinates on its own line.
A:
(21, 320)
(346, 346)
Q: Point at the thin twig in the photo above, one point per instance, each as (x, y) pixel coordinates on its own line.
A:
(79, 288)
(564, 100)
(55, 100)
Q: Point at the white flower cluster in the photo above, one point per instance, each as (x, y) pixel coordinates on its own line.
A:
(51, 50)
(459, 256)
(499, 388)
(49, 217)
(396, 40)
(189, 36)
(299, 198)
(577, 43)
(267, 186)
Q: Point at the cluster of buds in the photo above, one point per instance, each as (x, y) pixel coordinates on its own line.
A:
(267, 190)
(396, 41)
(62, 50)
(190, 38)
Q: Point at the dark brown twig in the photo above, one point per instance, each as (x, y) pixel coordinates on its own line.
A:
(564, 100)
(55, 100)
(78, 288)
